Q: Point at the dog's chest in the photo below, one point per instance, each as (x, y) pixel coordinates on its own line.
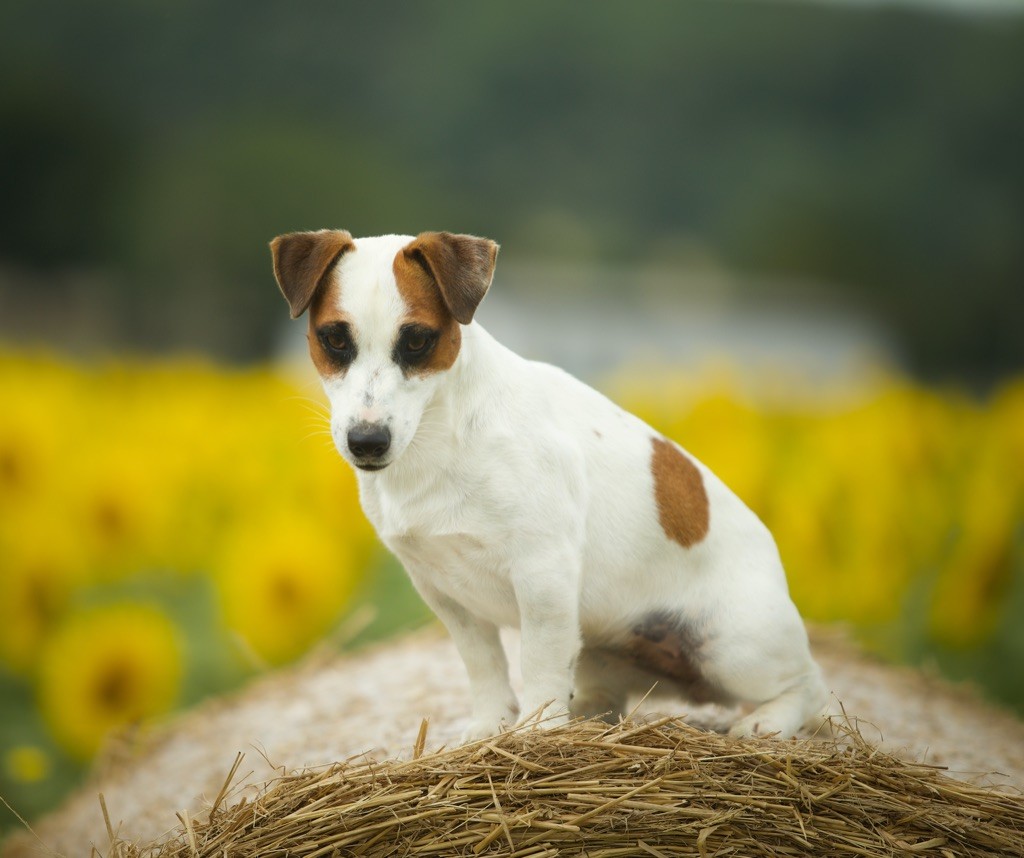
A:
(466, 569)
(450, 538)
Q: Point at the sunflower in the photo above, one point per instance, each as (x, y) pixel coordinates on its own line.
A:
(283, 580)
(105, 668)
(117, 506)
(39, 575)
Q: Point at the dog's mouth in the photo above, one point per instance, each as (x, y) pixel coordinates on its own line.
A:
(370, 466)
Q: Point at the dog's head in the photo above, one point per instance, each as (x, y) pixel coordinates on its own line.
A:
(385, 317)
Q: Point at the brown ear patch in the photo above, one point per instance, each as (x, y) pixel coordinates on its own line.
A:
(679, 493)
(302, 261)
(426, 306)
(462, 266)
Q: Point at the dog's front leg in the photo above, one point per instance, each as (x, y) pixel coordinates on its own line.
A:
(547, 593)
(494, 701)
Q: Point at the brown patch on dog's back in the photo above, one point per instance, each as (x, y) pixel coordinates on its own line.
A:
(426, 307)
(679, 493)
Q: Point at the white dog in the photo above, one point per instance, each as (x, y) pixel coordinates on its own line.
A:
(515, 495)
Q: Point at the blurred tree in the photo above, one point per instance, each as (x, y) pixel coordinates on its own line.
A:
(874, 149)
(63, 162)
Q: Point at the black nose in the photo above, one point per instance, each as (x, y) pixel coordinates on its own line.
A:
(369, 441)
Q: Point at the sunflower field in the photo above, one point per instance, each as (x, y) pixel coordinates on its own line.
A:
(170, 528)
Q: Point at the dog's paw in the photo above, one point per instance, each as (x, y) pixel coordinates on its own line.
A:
(483, 728)
(748, 727)
(764, 724)
(546, 716)
(489, 723)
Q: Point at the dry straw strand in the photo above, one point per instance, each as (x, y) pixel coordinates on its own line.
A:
(660, 788)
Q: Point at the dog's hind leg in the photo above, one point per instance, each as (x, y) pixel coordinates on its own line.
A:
(801, 704)
(773, 670)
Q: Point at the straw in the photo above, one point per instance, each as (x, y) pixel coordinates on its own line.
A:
(661, 788)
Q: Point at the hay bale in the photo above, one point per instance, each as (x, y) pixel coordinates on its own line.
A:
(589, 789)
(336, 708)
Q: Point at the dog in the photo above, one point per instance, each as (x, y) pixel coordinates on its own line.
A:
(515, 495)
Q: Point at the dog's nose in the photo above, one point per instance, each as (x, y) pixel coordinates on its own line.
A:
(369, 441)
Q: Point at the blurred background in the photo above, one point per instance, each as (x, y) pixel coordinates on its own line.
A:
(789, 235)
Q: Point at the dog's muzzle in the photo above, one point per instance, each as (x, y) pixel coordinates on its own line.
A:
(369, 443)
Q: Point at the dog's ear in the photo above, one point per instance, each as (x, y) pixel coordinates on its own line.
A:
(461, 265)
(303, 259)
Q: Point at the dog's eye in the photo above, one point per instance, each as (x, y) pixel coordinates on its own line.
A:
(414, 344)
(337, 342)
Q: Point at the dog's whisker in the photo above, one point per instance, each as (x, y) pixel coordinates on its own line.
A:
(323, 415)
(314, 405)
(308, 384)
(318, 430)
(307, 399)
(319, 412)
(319, 435)
(319, 415)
